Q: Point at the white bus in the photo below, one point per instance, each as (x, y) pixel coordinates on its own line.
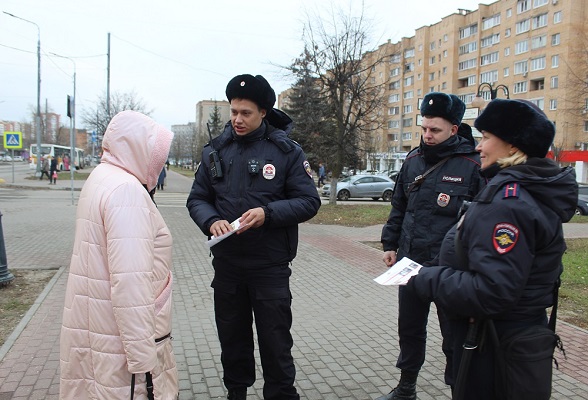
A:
(61, 153)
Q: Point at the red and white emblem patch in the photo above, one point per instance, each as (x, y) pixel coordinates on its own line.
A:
(307, 168)
(269, 171)
(505, 237)
(443, 199)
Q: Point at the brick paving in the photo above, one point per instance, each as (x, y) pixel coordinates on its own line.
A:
(344, 327)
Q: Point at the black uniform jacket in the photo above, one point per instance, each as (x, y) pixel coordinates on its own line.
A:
(512, 241)
(419, 219)
(281, 182)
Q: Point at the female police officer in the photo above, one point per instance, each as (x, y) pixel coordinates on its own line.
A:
(253, 172)
(504, 260)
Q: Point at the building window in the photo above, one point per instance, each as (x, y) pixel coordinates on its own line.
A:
(445, 37)
(394, 72)
(506, 71)
(468, 31)
(490, 76)
(507, 32)
(395, 58)
(467, 98)
(539, 3)
(537, 63)
(522, 6)
(507, 51)
(523, 26)
(557, 17)
(444, 85)
(406, 122)
(432, 60)
(394, 124)
(555, 61)
(432, 46)
(555, 39)
(431, 76)
(554, 82)
(538, 42)
(538, 102)
(394, 85)
(468, 64)
(490, 40)
(409, 67)
(409, 94)
(489, 58)
(553, 104)
(491, 21)
(407, 109)
(522, 47)
(537, 84)
(393, 110)
(520, 87)
(509, 13)
(393, 98)
(471, 80)
(444, 53)
(409, 81)
(409, 53)
(520, 67)
(540, 21)
(468, 48)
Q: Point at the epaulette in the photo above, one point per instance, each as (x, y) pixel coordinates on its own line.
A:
(284, 143)
(510, 190)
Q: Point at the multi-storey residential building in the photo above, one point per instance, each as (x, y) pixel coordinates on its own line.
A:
(533, 49)
(204, 110)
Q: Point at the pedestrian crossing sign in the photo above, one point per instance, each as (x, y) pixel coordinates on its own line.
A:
(13, 140)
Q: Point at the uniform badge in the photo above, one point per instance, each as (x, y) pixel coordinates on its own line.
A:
(242, 83)
(505, 237)
(307, 168)
(269, 171)
(443, 200)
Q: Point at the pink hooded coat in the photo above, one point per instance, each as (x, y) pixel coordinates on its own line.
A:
(118, 296)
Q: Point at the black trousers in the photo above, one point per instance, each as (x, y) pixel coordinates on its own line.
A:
(413, 315)
(43, 173)
(253, 298)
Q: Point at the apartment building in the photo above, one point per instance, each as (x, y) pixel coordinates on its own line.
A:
(527, 49)
(204, 110)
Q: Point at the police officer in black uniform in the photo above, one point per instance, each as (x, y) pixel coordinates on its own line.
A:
(434, 181)
(511, 241)
(253, 173)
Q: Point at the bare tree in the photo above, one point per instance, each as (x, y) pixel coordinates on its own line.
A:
(98, 118)
(352, 94)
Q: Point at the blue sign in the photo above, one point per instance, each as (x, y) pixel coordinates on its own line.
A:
(94, 139)
(13, 140)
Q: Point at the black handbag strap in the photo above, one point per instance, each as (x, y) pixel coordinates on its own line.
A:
(420, 178)
(553, 316)
(149, 379)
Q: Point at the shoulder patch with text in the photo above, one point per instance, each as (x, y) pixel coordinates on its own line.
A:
(505, 237)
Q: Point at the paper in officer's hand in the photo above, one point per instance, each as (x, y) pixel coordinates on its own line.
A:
(235, 226)
(400, 273)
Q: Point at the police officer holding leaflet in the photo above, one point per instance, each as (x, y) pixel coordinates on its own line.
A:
(253, 173)
(502, 261)
(434, 181)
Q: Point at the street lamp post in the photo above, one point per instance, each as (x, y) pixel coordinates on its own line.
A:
(71, 112)
(479, 100)
(38, 116)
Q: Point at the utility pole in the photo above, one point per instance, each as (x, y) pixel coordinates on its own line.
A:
(38, 116)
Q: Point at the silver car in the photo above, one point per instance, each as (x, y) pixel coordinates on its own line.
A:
(356, 186)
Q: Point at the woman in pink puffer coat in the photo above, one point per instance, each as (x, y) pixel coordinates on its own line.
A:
(117, 315)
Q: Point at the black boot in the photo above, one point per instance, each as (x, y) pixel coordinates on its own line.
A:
(237, 394)
(406, 389)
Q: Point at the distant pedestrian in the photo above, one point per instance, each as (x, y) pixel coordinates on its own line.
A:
(321, 175)
(53, 171)
(45, 169)
(161, 179)
(117, 318)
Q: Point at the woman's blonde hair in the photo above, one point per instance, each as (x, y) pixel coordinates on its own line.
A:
(517, 158)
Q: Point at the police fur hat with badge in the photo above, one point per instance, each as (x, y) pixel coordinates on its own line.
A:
(446, 106)
(255, 88)
(520, 123)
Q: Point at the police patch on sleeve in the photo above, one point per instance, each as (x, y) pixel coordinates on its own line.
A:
(307, 168)
(505, 237)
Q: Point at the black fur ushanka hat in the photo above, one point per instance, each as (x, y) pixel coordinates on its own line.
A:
(520, 123)
(254, 88)
(446, 106)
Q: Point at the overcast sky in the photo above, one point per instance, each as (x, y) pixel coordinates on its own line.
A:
(172, 53)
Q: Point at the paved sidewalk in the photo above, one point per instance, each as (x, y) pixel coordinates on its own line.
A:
(345, 344)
